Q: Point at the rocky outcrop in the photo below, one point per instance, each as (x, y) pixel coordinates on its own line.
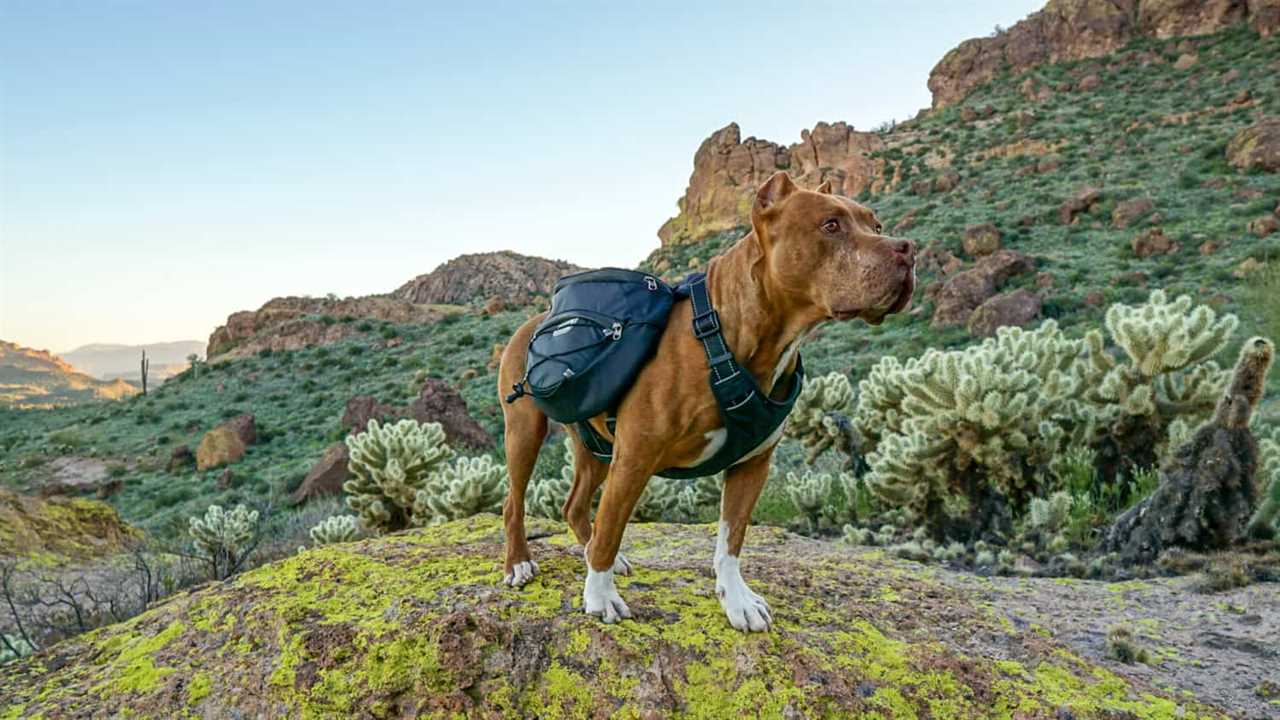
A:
(57, 530)
(226, 443)
(1257, 146)
(980, 240)
(727, 170)
(1082, 202)
(1076, 29)
(508, 277)
(1153, 242)
(39, 379)
(291, 323)
(418, 624)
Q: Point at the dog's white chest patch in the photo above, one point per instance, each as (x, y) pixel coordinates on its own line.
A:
(715, 440)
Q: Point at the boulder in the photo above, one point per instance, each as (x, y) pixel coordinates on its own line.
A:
(494, 305)
(937, 260)
(1153, 242)
(1264, 226)
(1256, 146)
(1083, 201)
(326, 476)
(1186, 61)
(980, 240)
(74, 475)
(226, 443)
(1089, 83)
(363, 408)
(1019, 307)
(1248, 267)
(1130, 211)
(962, 293)
(418, 624)
(440, 402)
(179, 458)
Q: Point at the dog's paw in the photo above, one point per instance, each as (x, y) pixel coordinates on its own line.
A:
(601, 598)
(746, 610)
(621, 566)
(521, 573)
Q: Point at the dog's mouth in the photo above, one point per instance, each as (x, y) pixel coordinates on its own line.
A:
(899, 302)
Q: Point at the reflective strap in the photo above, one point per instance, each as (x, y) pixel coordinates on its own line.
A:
(706, 328)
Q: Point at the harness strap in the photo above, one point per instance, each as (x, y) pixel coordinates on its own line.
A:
(706, 328)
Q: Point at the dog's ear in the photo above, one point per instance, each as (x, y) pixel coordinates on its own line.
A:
(775, 190)
(825, 187)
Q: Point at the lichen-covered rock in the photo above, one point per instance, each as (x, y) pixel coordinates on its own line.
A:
(226, 443)
(981, 240)
(58, 529)
(417, 625)
(1257, 146)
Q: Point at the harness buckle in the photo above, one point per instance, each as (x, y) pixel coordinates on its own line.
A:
(703, 332)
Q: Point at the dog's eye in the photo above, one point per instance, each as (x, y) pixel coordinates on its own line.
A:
(831, 226)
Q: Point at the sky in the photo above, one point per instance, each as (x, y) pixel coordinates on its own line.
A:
(164, 164)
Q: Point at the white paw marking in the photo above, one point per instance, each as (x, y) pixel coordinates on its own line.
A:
(601, 598)
(522, 573)
(745, 609)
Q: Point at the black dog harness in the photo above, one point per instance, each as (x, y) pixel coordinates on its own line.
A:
(749, 416)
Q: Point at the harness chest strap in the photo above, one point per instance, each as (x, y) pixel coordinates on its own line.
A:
(749, 416)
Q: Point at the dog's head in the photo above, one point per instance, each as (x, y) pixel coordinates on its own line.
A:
(830, 253)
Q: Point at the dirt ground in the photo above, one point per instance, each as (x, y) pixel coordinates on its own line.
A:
(1219, 647)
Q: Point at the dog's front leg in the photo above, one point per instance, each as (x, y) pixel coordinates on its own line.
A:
(742, 485)
(622, 490)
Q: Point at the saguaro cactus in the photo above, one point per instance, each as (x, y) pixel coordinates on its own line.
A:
(145, 367)
(1208, 493)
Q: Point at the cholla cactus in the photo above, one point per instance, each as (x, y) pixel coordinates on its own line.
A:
(391, 463)
(224, 539)
(469, 486)
(1266, 521)
(820, 418)
(334, 529)
(950, 429)
(809, 493)
(1165, 376)
(668, 500)
(1050, 514)
(547, 495)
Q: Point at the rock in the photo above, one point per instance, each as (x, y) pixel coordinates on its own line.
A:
(226, 443)
(1248, 267)
(1044, 280)
(980, 240)
(74, 475)
(1084, 200)
(495, 356)
(1094, 298)
(1209, 247)
(937, 260)
(179, 458)
(1256, 146)
(439, 402)
(1066, 30)
(727, 170)
(493, 306)
(1264, 226)
(508, 277)
(227, 480)
(968, 114)
(1089, 83)
(946, 182)
(1130, 211)
(1019, 307)
(1186, 61)
(53, 531)
(417, 625)
(363, 408)
(962, 293)
(325, 477)
(1153, 242)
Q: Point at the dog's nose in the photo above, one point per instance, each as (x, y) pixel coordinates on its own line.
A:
(905, 249)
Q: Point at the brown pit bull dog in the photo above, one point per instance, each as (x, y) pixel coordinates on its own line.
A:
(811, 257)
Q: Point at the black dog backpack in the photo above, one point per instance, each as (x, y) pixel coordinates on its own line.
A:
(603, 327)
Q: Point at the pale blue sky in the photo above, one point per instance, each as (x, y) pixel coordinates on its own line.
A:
(163, 164)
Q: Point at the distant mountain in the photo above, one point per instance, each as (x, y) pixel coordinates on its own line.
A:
(39, 379)
(107, 361)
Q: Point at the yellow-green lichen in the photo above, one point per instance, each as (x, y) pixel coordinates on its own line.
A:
(199, 688)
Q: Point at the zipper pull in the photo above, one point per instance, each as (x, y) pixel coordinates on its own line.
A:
(617, 331)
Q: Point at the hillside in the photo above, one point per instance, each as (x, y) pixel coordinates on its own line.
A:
(108, 361)
(38, 379)
(417, 625)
